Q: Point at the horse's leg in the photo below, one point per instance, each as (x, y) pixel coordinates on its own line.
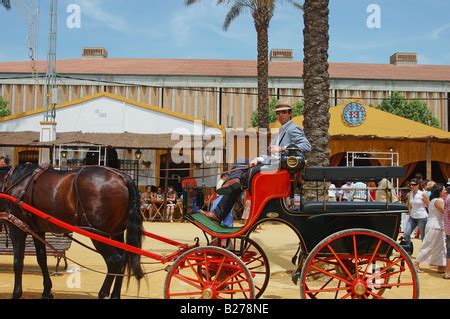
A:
(18, 240)
(41, 256)
(113, 262)
(121, 270)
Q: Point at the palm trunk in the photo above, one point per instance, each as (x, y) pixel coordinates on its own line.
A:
(316, 80)
(262, 18)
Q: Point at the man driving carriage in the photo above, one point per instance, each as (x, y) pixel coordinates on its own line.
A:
(289, 134)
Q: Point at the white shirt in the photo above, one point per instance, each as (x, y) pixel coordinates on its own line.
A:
(280, 133)
(417, 205)
(332, 190)
(346, 191)
(435, 219)
(360, 190)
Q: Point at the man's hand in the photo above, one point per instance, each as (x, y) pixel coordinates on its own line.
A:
(276, 149)
(254, 162)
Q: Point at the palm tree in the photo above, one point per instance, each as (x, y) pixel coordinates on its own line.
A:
(316, 80)
(316, 84)
(262, 11)
(6, 4)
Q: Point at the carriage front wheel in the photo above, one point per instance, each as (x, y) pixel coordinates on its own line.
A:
(253, 256)
(208, 273)
(361, 264)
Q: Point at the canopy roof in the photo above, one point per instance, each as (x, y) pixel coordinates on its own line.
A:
(378, 124)
(116, 140)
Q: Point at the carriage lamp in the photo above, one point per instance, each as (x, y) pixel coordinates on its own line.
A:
(138, 154)
(64, 154)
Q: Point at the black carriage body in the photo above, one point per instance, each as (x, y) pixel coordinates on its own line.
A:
(312, 222)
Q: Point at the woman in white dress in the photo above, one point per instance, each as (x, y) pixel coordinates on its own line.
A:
(433, 249)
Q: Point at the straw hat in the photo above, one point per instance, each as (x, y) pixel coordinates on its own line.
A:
(282, 105)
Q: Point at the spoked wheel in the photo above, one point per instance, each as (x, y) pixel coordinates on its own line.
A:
(361, 264)
(253, 257)
(209, 273)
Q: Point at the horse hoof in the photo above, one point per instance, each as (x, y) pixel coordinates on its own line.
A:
(47, 296)
(103, 296)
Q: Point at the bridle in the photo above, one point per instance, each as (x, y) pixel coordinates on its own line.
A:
(35, 174)
(6, 179)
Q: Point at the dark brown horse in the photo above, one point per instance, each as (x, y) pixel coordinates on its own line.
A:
(98, 199)
(3, 172)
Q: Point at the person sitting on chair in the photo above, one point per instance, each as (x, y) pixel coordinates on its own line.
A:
(171, 202)
(289, 134)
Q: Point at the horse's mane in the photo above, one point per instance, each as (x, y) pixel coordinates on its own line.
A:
(22, 170)
(5, 169)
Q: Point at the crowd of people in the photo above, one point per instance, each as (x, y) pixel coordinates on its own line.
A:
(358, 191)
(429, 208)
(428, 217)
(152, 202)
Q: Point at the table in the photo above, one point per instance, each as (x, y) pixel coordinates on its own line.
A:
(157, 209)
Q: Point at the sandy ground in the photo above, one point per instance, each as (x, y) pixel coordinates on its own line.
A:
(278, 241)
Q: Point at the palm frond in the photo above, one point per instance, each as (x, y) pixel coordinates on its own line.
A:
(234, 12)
(190, 2)
(296, 4)
(6, 4)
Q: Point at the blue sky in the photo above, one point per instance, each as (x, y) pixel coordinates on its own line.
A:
(168, 29)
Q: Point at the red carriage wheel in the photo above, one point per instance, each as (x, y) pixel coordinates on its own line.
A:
(361, 264)
(254, 258)
(209, 273)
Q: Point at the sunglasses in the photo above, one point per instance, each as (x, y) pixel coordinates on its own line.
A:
(414, 184)
(281, 112)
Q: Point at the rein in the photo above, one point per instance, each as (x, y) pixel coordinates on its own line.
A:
(10, 218)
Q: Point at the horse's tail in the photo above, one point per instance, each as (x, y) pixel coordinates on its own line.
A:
(134, 230)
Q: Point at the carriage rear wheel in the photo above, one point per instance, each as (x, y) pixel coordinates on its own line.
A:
(209, 273)
(361, 264)
(253, 257)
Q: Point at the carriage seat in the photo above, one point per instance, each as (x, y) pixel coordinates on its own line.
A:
(336, 207)
(247, 182)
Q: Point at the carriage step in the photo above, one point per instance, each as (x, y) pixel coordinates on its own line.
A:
(211, 225)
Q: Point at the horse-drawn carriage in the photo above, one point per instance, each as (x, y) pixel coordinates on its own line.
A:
(347, 250)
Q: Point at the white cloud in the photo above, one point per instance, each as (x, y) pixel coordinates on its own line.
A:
(424, 59)
(189, 22)
(436, 32)
(94, 9)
